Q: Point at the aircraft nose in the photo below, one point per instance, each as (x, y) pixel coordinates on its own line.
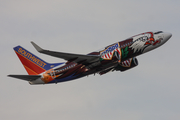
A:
(167, 36)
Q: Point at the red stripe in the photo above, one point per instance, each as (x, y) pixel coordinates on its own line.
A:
(29, 71)
(29, 64)
(118, 51)
(128, 62)
(125, 63)
(109, 56)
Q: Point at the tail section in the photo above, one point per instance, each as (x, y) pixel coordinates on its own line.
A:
(33, 64)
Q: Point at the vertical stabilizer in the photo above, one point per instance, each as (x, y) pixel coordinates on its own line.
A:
(33, 64)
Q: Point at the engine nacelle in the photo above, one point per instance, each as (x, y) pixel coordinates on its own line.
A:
(127, 64)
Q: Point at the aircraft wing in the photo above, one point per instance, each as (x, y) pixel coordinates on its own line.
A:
(78, 58)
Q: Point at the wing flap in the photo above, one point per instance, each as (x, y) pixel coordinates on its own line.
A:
(87, 59)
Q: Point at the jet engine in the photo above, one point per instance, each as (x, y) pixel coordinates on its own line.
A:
(127, 64)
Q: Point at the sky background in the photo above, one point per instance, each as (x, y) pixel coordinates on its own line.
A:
(149, 91)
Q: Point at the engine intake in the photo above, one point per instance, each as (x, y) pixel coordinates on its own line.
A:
(127, 64)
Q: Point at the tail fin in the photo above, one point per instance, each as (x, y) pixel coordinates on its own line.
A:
(33, 64)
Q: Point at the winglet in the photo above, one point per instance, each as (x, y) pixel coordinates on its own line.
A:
(39, 49)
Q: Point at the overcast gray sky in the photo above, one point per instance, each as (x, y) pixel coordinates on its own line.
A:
(148, 92)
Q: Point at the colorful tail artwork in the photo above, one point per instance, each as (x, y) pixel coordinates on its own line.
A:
(33, 64)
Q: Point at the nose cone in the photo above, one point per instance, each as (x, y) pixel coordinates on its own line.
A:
(167, 36)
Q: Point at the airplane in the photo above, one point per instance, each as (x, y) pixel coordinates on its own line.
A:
(120, 56)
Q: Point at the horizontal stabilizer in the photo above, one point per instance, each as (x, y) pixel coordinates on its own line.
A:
(69, 56)
(26, 77)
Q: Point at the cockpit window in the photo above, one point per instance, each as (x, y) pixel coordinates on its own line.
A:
(158, 32)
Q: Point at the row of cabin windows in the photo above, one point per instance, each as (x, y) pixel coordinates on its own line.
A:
(65, 68)
(124, 45)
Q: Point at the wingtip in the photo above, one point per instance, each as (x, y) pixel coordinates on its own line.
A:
(9, 75)
(39, 49)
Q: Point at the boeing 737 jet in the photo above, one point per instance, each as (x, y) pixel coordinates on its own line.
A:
(120, 56)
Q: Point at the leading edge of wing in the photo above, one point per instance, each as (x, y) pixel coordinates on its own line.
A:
(86, 59)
